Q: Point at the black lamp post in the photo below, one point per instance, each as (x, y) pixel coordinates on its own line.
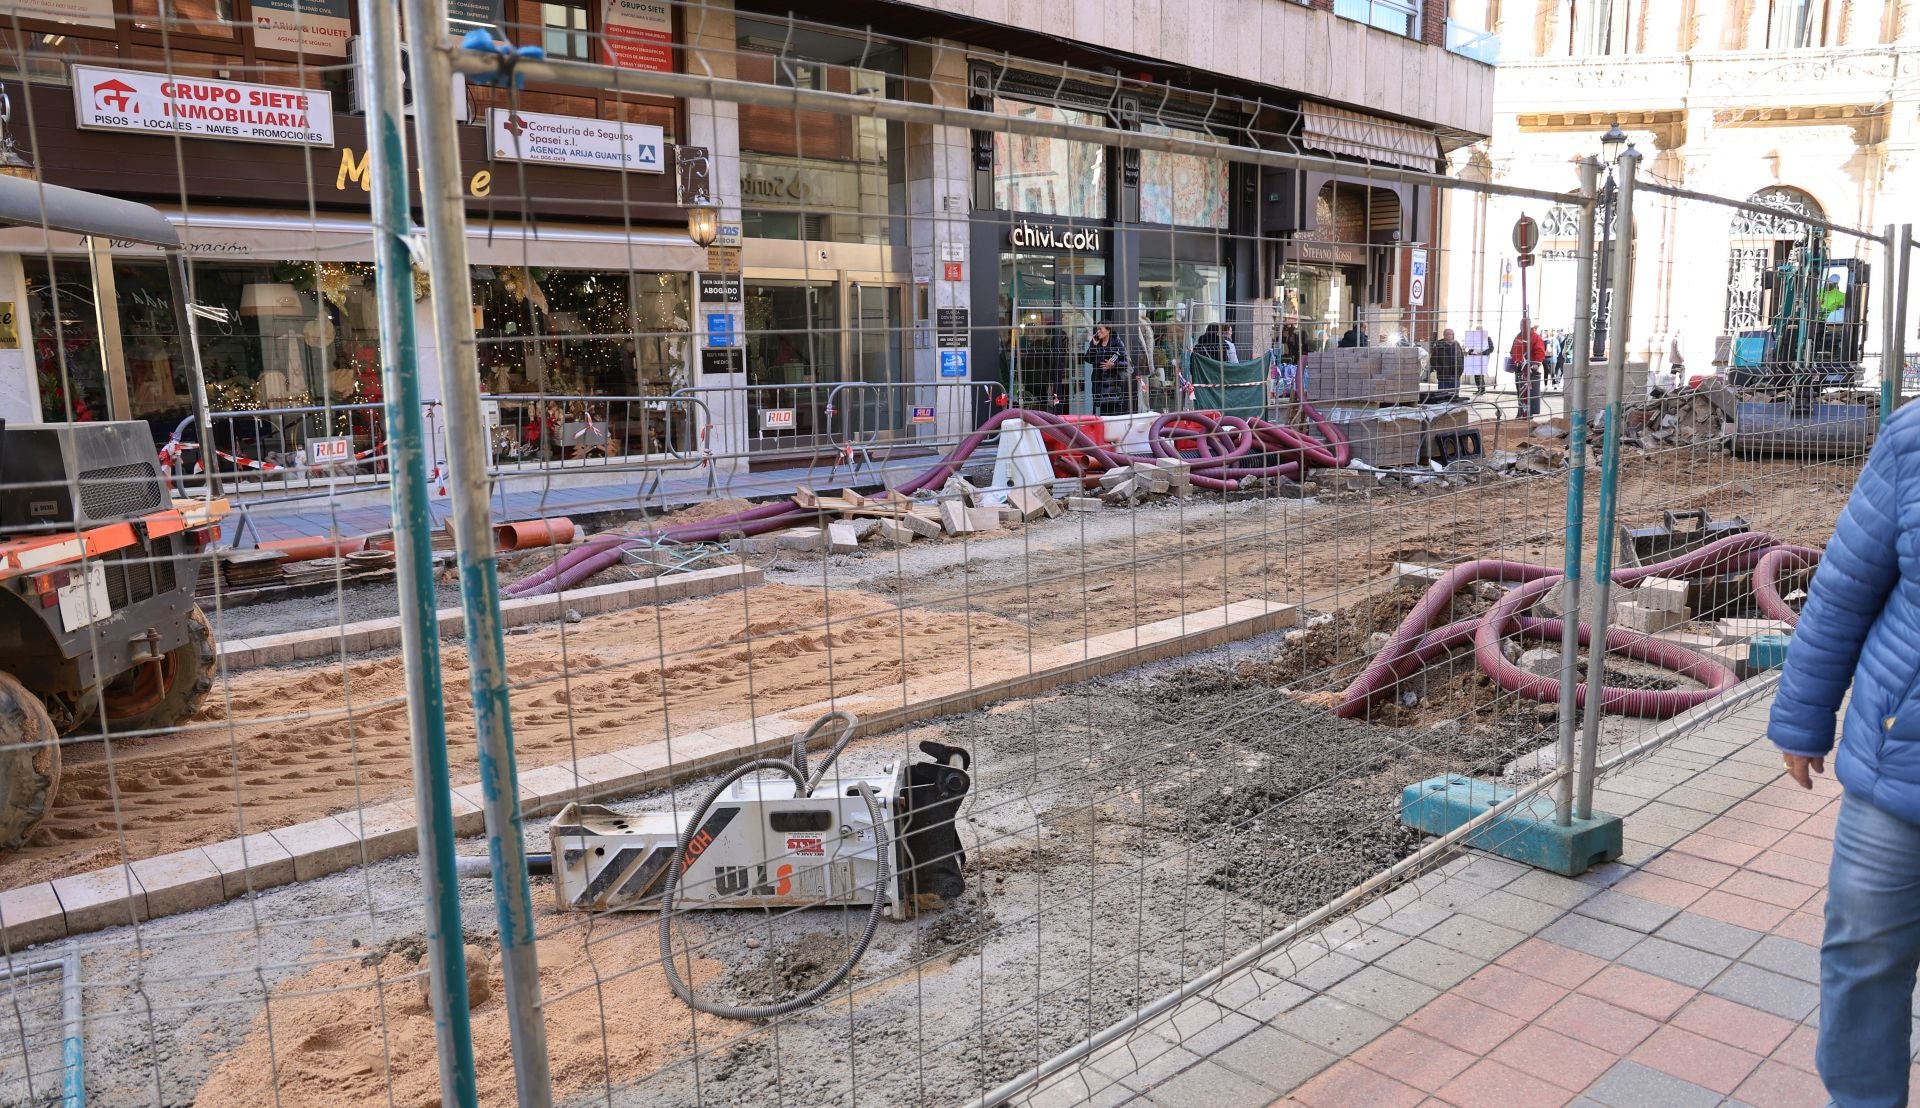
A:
(1611, 145)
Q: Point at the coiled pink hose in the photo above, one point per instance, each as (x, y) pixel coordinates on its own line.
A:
(1416, 643)
(1766, 579)
(1222, 439)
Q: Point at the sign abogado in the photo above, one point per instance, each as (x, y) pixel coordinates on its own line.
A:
(575, 140)
(1076, 239)
(156, 103)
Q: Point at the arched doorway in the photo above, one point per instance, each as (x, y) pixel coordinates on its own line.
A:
(1760, 244)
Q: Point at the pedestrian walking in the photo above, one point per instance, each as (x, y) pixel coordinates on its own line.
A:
(1858, 630)
(1529, 350)
(1447, 359)
(1108, 357)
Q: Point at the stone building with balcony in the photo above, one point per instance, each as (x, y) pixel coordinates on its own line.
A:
(1805, 105)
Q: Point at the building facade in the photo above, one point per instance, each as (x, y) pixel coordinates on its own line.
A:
(1807, 106)
(852, 249)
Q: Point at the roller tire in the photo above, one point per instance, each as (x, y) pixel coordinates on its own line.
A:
(29, 763)
(189, 673)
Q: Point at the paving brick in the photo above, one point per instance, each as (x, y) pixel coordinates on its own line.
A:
(1277, 1059)
(1773, 1085)
(1739, 911)
(1673, 815)
(1079, 1088)
(1782, 955)
(1431, 964)
(1632, 1085)
(1590, 936)
(1714, 848)
(1631, 912)
(1791, 797)
(1806, 871)
(1317, 970)
(1414, 919)
(1690, 868)
(100, 898)
(1332, 1024)
(318, 847)
(255, 862)
(1802, 927)
(1549, 888)
(1348, 1083)
(1741, 830)
(1475, 937)
(1552, 962)
(1767, 991)
(1510, 910)
(1736, 1025)
(1674, 962)
(1142, 1069)
(1807, 847)
(1708, 934)
(1696, 1058)
(30, 914)
(1591, 1020)
(1262, 997)
(1463, 1024)
(1384, 993)
(1371, 944)
(1127, 1057)
(1205, 1085)
(179, 882)
(1489, 1084)
(1493, 873)
(1636, 991)
(1768, 890)
(1202, 1026)
(1414, 1059)
(1798, 1050)
(1510, 991)
(1557, 1058)
(1673, 893)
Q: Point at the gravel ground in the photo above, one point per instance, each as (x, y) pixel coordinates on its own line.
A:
(1123, 835)
(332, 607)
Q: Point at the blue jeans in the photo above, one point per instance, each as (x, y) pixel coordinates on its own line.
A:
(1868, 958)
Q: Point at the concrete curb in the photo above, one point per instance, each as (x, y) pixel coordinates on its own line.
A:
(205, 876)
(384, 634)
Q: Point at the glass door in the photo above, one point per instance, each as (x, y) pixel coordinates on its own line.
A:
(1054, 303)
(879, 412)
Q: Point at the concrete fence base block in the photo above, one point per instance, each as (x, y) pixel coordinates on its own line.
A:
(1525, 834)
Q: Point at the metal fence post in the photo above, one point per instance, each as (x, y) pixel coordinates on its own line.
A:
(1621, 320)
(1576, 399)
(413, 550)
(444, 214)
(1896, 351)
(1889, 329)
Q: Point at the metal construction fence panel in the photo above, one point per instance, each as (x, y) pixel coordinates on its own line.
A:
(841, 648)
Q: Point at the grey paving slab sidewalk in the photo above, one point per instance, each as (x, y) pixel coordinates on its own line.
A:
(1686, 975)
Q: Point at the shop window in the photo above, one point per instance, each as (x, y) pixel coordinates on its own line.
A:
(1178, 300)
(66, 341)
(793, 355)
(1181, 189)
(1049, 176)
(573, 332)
(819, 176)
(1402, 17)
(207, 18)
(43, 57)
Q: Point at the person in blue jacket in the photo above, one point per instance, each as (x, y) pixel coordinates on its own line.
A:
(1861, 628)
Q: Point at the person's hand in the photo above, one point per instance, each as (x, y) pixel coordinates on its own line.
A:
(1798, 766)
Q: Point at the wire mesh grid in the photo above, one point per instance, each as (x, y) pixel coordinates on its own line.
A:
(1155, 677)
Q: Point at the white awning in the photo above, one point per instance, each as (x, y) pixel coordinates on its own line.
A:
(1359, 135)
(297, 236)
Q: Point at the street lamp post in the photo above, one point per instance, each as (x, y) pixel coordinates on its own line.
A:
(1611, 144)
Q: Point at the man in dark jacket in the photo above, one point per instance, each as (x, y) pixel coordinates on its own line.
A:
(1210, 344)
(1447, 358)
(1356, 335)
(1108, 357)
(1860, 628)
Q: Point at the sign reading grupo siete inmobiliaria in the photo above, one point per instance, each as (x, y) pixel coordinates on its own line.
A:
(575, 140)
(161, 104)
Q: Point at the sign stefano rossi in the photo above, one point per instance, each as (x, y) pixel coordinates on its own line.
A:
(156, 103)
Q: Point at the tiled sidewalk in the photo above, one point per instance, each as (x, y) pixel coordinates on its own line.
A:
(1684, 975)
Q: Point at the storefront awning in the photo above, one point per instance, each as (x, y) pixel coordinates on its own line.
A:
(1359, 135)
(41, 207)
(297, 237)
